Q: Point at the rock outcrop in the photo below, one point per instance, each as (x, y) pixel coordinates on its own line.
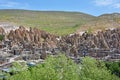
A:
(100, 44)
(2, 31)
(33, 36)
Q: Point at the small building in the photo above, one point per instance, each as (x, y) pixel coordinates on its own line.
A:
(7, 70)
(2, 45)
(31, 64)
(16, 50)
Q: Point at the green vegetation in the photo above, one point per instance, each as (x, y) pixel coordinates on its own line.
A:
(1, 37)
(89, 31)
(58, 22)
(63, 68)
(114, 67)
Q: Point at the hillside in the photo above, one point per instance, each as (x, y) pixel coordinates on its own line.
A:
(102, 22)
(52, 21)
(59, 22)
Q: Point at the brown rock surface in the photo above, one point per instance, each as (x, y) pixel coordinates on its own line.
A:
(2, 31)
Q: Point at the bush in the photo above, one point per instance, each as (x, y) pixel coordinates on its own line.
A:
(114, 67)
(95, 70)
(1, 37)
(63, 68)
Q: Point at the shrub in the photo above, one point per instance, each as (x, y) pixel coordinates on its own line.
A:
(1, 37)
(63, 68)
(114, 67)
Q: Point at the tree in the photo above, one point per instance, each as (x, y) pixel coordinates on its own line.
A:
(114, 67)
(63, 68)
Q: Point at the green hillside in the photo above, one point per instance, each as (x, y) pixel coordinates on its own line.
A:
(102, 22)
(58, 22)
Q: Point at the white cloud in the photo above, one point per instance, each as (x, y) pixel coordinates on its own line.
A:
(117, 5)
(109, 3)
(12, 4)
(103, 2)
(8, 4)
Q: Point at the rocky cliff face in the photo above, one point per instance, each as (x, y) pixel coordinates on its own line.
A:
(2, 31)
(103, 39)
(103, 42)
(32, 36)
(99, 44)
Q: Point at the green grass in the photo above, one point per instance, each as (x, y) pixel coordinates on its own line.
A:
(52, 21)
(59, 22)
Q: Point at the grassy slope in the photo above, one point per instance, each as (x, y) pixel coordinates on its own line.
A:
(102, 22)
(57, 22)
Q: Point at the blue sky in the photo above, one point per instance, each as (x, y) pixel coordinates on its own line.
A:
(93, 7)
